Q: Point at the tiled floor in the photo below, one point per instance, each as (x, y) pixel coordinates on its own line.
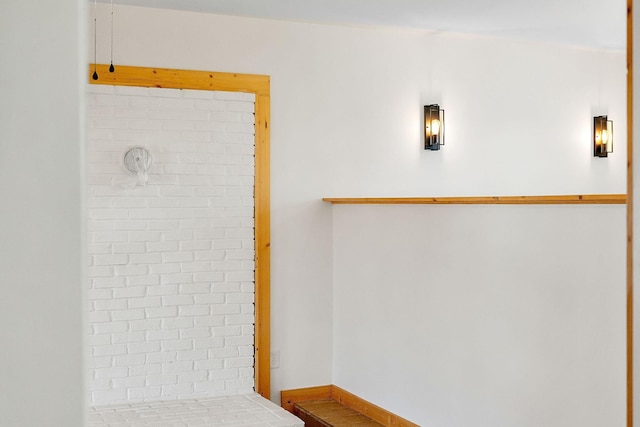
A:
(246, 410)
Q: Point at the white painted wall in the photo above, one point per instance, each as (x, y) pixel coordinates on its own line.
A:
(346, 110)
(171, 263)
(41, 220)
(483, 315)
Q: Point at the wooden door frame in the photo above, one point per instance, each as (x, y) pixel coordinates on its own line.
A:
(229, 82)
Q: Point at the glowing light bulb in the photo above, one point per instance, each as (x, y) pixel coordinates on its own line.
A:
(434, 129)
(436, 126)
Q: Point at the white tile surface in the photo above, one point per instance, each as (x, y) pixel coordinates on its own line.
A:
(244, 410)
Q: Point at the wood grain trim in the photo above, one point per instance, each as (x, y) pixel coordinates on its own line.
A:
(262, 247)
(588, 199)
(368, 409)
(181, 79)
(288, 398)
(230, 82)
(630, 272)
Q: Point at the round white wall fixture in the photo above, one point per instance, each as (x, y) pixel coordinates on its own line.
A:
(138, 161)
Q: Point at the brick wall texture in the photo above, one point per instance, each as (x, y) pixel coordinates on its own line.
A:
(171, 263)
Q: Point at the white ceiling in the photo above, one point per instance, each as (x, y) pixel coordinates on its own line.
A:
(589, 23)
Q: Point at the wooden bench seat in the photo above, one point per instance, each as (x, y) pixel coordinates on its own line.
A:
(328, 412)
(329, 405)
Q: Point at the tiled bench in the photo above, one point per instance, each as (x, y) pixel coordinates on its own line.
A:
(245, 410)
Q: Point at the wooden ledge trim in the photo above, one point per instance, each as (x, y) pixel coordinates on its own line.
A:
(586, 199)
(290, 397)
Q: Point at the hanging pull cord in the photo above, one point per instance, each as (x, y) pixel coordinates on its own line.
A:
(95, 42)
(111, 67)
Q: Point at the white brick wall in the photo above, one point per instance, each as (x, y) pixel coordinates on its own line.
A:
(171, 263)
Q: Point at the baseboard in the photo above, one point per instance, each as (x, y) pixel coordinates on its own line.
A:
(350, 400)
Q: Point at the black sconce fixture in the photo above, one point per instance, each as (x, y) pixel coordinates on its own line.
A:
(602, 136)
(433, 127)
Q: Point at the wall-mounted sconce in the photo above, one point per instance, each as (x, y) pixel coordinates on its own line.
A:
(602, 136)
(433, 127)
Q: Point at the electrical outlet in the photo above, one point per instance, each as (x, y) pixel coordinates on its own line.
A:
(275, 359)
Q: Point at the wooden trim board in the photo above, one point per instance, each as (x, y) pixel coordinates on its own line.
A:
(289, 398)
(181, 79)
(587, 199)
(230, 82)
